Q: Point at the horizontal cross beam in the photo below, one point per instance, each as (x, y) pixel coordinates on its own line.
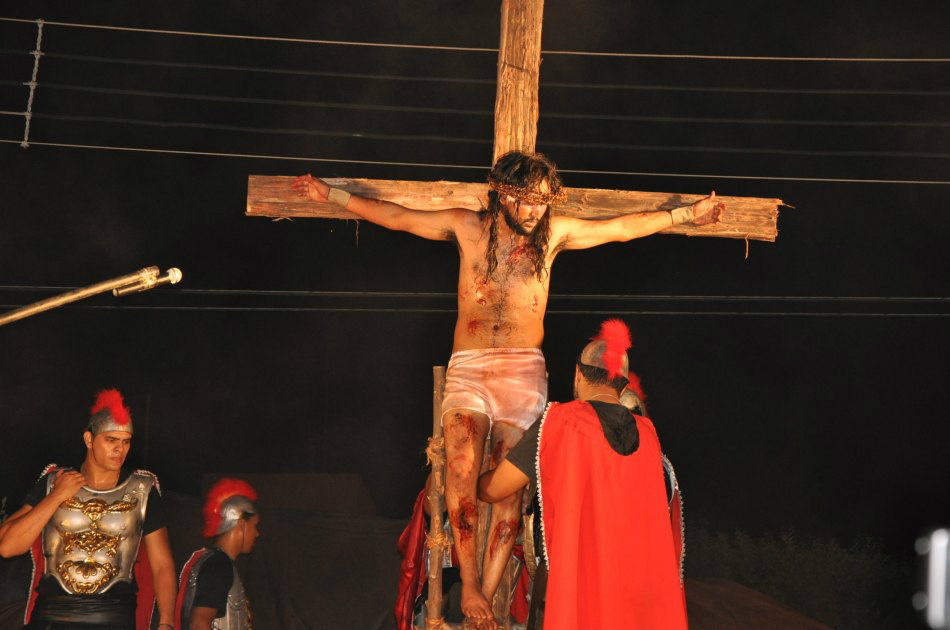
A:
(744, 218)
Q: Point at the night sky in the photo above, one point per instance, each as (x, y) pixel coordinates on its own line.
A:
(826, 416)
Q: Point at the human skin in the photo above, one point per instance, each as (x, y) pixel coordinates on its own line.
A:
(505, 310)
(105, 455)
(239, 539)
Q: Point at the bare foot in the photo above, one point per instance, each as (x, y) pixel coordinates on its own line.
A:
(474, 604)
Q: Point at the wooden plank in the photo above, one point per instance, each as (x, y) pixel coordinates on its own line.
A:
(435, 498)
(745, 217)
(519, 65)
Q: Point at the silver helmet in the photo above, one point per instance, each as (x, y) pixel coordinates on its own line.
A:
(229, 501)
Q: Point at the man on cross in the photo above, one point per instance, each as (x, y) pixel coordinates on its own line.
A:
(496, 382)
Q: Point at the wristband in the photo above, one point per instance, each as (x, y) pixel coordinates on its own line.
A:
(682, 215)
(339, 197)
(166, 624)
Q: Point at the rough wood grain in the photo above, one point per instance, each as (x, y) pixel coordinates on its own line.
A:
(436, 501)
(745, 217)
(519, 65)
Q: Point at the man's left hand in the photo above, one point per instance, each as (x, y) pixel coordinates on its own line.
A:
(707, 211)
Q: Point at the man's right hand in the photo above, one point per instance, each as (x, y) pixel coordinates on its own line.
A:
(311, 187)
(67, 484)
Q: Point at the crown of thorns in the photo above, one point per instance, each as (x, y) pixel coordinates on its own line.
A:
(527, 195)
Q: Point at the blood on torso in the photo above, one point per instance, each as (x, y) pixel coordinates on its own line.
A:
(507, 309)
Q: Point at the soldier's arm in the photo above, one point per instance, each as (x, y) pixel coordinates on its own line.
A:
(573, 233)
(501, 483)
(436, 225)
(18, 532)
(163, 573)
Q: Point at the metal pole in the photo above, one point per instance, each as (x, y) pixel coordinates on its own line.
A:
(141, 280)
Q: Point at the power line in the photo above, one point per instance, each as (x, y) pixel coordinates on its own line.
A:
(553, 296)
(258, 101)
(455, 139)
(297, 40)
(579, 53)
(476, 112)
(746, 121)
(307, 309)
(260, 38)
(255, 156)
(261, 130)
(481, 168)
(473, 81)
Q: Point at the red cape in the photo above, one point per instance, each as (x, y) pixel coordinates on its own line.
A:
(183, 585)
(412, 572)
(611, 557)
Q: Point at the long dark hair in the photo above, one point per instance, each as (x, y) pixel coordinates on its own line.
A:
(524, 170)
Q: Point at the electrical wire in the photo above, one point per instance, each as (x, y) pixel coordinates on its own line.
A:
(308, 309)
(258, 101)
(492, 81)
(576, 53)
(483, 112)
(553, 296)
(258, 156)
(455, 139)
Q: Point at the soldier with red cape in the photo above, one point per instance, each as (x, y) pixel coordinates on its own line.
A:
(608, 544)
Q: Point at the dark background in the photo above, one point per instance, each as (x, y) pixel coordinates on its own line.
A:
(829, 417)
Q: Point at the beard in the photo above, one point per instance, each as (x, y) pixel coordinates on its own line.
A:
(516, 227)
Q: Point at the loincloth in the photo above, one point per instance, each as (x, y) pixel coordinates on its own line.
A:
(508, 385)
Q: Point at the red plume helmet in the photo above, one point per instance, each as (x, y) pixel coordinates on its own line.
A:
(616, 335)
(109, 413)
(225, 489)
(635, 387)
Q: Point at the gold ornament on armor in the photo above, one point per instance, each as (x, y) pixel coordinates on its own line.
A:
(91, 541)
(87, 569)
(95, 508)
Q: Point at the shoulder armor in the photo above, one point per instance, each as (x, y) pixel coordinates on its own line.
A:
(152, 476)
(49, 468)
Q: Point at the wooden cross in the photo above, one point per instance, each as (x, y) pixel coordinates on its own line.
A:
(516, 118)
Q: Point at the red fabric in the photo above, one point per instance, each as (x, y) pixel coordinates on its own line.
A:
(612, 563)
(412, 571)
(145, 598)
(520, 605)
(182, 584)
(142, 570)
(39, 568)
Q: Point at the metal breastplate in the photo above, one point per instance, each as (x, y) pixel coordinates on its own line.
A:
(237, 615)
(237, 612)
(93, 539)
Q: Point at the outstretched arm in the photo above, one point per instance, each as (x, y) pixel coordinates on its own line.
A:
(501, 482)
(436, 225)
(576, 233)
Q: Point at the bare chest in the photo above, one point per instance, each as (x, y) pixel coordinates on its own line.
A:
(511, 285)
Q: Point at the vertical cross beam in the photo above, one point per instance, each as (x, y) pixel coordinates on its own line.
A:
(519, 64)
